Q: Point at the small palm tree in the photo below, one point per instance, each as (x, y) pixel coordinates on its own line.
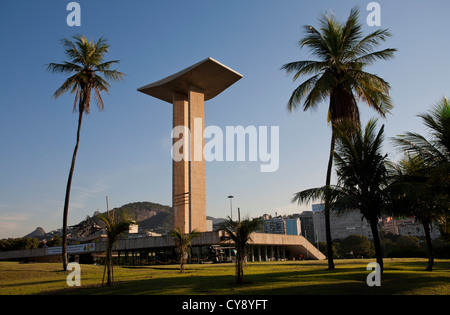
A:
(338, 75)
(183, 244)
(86, 66)
(115, 225)
(240, 233)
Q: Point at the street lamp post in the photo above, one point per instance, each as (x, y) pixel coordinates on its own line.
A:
(231, 206)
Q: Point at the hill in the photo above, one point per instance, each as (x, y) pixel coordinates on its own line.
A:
(149, 216)
(155, 217)
(39, 233)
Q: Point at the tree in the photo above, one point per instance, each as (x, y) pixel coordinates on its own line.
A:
(115, 225)
(239, 232)
(55, 241)
(86, 66)
(183, 244)
(21, 243)
(358, 245)
(362, 177)
(433, 152)
(339, 76)
(412, 195)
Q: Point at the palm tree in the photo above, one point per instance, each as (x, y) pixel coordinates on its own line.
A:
(410, 194)
(183, 243)
(434, 150)
(86, 66)
(339, 76)
(115, 225)
(362, 177)
(240, 234)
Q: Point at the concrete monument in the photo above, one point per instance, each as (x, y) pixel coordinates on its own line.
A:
(187, 91)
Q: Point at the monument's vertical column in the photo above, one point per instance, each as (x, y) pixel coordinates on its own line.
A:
(180, 169)
(197, 162)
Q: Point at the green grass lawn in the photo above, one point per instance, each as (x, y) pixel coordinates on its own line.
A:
(401, 276)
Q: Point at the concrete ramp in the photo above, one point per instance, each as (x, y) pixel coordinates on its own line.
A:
(297, 244)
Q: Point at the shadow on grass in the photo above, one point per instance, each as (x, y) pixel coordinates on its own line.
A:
(399, 278)
(418, 265)
(348, 281)
(32, 283)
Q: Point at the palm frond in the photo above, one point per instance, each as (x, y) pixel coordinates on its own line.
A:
(71, 50)
(320, 91)
(316, 194)
(370, 58)
(68, 67)
(112, 75)
(315, 43)
(115, 225)
(351, 31)
(438, 122)
(107, 65)
(301, 92)
(70, 84)
(240, 232)
(182, 240)
(412, 142)
(305, 67)
(368, 44)
(98, 100)
(100, 84)
(372, 90)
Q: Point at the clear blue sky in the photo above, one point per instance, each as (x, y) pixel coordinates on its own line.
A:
(125, 150)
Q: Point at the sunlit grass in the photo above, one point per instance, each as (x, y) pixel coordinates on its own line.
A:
(401, 276)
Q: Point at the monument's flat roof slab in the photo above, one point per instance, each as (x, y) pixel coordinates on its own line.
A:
(209, 75)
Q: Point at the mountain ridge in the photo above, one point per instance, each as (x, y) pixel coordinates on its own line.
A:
(149, 216)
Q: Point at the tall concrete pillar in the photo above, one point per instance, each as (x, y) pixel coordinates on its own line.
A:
(197, 211)
(180, 169)
(187, 91)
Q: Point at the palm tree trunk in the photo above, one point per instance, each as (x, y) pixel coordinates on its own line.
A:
(109, 266)
(182, 260)
(239, 266)
(69, 184)
(327, 204)
(426, 227)
(376, 242)
(112, 267)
